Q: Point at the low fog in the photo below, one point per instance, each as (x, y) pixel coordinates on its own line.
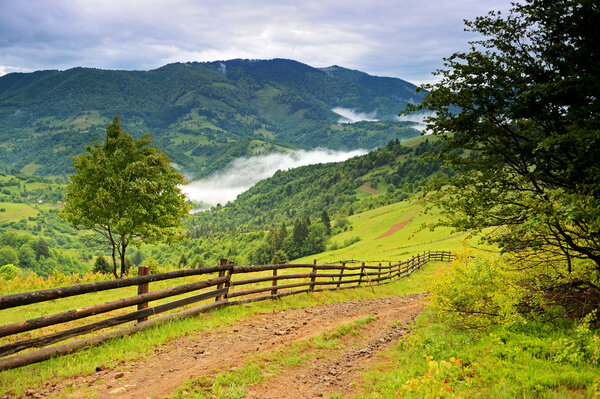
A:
(351, 116)
(419, 119)
(243, 173)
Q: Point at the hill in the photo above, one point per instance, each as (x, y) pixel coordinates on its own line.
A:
(389, 174)
(202, 114)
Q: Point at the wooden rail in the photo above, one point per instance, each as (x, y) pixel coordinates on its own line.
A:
(304, 278)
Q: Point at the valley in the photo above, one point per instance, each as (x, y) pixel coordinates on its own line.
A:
(339, 247)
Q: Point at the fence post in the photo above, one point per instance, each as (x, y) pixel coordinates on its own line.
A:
(313, 276)
(379, 273)
(228, 281)
(362, 270)
(274, 290)
(143, 289)
(390, 271)
(221, 274)
(341, 274)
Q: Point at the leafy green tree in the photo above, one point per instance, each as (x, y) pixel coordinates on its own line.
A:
(315, 240)
(261, 254)
(41, 249)
(524, 104)
(281, 256)
(126, 191)
(27, 257)
(300, 231)
(8, 272)
(8, 255)
(137, 258)
(326, 221)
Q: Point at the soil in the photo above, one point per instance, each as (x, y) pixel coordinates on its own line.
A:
(204, 354)
(367, 188)
(394, 228)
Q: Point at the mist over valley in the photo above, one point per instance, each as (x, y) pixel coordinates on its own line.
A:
(244, 172)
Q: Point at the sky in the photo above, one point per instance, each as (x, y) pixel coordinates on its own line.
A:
(398, 38)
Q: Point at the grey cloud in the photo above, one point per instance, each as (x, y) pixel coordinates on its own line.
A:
(398, 38)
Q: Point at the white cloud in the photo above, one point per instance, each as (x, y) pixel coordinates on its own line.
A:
(244, 172)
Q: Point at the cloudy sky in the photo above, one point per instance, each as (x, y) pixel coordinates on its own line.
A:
(401, 38)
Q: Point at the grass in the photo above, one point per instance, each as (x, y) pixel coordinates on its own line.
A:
(13, 212)
(137, 346)
(368, 227)
(499, 362)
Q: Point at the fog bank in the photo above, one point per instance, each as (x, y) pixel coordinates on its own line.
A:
(350, 116)
(419, 119)
(243, 173)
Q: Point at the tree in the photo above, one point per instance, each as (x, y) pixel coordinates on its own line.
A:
(524, 105)
(326, 221)
(8, 272)
(41, 249)
(137, 258)
(101, 265)
(27, 257)
(8, 255)
(126, 191)
(183, 261)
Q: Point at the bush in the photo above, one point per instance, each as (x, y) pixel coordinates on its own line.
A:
(479, 292)
(8, 272)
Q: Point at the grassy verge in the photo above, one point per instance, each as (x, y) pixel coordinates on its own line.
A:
(502, 353)
(534, 360)
(137, 346)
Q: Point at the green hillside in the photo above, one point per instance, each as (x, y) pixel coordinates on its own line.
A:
(203, 115)
(389, 174)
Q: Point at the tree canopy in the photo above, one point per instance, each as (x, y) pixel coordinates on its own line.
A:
(126, 191)
(519, 117)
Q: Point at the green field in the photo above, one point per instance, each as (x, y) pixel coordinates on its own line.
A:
(391, 233)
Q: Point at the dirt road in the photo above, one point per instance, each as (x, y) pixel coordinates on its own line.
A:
(207, 353)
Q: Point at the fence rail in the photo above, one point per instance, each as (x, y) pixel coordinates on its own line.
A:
(220, 289)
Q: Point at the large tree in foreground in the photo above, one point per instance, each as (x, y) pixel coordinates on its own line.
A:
(126, 191)
(519, 116)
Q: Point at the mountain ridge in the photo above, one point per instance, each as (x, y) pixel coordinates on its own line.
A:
(203, 114)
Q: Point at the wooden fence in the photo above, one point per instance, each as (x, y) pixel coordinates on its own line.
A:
(222, 289)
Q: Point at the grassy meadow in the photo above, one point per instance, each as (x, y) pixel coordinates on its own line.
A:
(532, 359)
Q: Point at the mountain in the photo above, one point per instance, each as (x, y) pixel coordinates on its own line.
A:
(202, 114)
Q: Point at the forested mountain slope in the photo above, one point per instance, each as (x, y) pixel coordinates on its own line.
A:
(202, 114)
(386, 175)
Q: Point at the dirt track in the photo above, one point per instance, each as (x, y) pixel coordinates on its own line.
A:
(205, 354)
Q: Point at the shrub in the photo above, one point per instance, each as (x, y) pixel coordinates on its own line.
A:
(8, 272)
(478, 292)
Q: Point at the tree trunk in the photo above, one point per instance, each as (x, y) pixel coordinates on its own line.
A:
(122, 253)
(114, 260)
